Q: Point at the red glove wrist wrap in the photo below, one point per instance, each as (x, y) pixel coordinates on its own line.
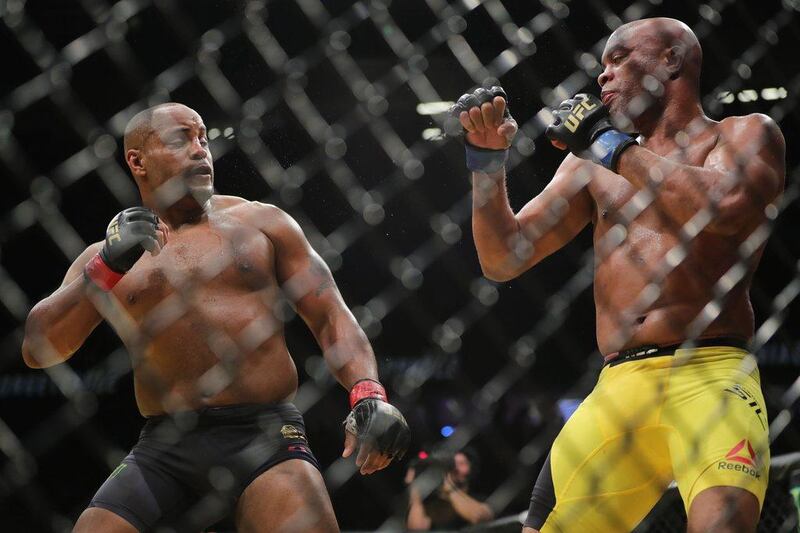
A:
(366, 388)
(100, 274)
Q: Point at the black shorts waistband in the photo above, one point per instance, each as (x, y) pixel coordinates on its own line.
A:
(213, 415)
(655, 350)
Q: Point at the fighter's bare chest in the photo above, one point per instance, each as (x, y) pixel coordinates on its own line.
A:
(617, 201)
(613, 198)
(199, 259)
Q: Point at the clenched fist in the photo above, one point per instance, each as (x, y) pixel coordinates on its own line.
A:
(483, 118)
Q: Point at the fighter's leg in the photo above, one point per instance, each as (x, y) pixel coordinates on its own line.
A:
(135, 497)
(606, 484)
(96, 519)
(724, 510)
(609, 465)
(606, 490)
(291, 496)
(720, 443)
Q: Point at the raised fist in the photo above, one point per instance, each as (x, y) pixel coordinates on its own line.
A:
(483, 118)
(583, 126)
(129, 234)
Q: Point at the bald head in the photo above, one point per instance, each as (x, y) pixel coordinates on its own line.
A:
(140, 126)
(684, 54)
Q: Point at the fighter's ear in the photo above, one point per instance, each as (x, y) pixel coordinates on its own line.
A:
(674, 57)
(135, 161)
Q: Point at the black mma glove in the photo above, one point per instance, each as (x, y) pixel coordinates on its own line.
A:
(479, 159)
(584, 125)
(376, 422)
(129, 234)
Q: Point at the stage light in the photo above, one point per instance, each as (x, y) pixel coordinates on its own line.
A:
(433, 108)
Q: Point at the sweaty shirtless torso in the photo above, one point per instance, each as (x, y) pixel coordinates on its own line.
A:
(645, 290)
(199, 318)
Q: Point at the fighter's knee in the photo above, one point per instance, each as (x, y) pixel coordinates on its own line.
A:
(724, 510)
(529, 530)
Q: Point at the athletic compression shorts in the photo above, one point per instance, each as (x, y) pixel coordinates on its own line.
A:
(696, 416)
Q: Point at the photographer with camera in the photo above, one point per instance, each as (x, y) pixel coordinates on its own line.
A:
(439, 486)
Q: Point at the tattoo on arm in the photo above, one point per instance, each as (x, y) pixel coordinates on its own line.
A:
(319, 269)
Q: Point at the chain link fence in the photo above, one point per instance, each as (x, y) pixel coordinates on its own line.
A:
(334, 111)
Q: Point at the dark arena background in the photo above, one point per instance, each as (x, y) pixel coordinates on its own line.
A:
(333, 110)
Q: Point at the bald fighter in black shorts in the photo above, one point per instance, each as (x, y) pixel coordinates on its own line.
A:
(212, 373)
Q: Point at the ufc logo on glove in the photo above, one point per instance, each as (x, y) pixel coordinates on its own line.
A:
(574, 119)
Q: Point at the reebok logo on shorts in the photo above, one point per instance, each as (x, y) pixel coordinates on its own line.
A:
(740, 455)
(741, 458)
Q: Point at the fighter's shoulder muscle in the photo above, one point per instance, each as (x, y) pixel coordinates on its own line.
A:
(755, 127)
(224, 201)
(270, 219)
(759, 144)
(247, 211)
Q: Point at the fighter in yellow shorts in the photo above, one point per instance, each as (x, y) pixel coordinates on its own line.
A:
(693, 415)
(675, 210)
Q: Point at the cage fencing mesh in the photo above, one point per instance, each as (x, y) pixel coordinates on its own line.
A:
(334, 111)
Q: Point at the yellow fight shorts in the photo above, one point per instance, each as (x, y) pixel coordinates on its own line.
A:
(696, 416)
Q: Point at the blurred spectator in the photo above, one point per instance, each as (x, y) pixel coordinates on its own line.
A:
(439, 492)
